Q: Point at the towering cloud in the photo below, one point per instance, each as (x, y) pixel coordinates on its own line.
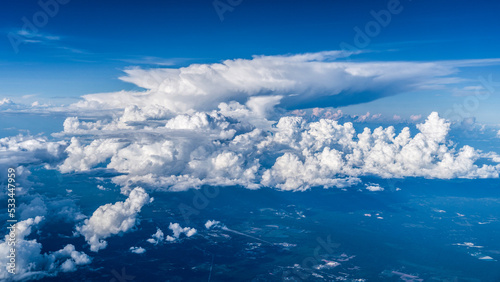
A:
(112, 219)
(290, 82)
(214, 149)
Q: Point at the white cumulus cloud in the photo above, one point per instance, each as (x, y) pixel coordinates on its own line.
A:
(31, 263)
(294, 154)
(211, 223)
(137, 250)
(112, 219)
(157, 237)
(177, 231)
(374, 187)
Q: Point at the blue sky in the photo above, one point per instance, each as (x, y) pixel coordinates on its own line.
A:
(212, 96)
(86, 45)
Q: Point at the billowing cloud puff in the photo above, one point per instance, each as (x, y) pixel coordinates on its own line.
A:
(178, 230)
(20, 152)
(373, 187)
(30, 262)
(415, 117)
(77, 258)
(65, 210)
(137, 250)
(211, 223)
(111, 219)
(292, 155)
(157, 237)
(8, 105)
(28, 150)
(291, 81)
(36, 207)
(83, 158)
(5, 102)
(326, 149)
(33, 147)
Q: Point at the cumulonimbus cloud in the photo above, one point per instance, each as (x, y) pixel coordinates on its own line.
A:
(208, 124)
(290, 82)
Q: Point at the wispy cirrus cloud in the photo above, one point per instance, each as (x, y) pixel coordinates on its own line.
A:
(154, 61)
(23, 36)
(31, 37)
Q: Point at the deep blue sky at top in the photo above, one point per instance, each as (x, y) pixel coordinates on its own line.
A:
(84, 47)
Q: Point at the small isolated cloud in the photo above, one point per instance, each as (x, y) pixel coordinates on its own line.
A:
(29, 96)
(468, 245)
(178, 231)
(367, 117)
(476, 90)
(372, 187)
(6, 102)
(137, 250)
(112, 219)
(363, 118)
(100, 187)
(157, 237)
(415, 117)
(211, 223)
(7, 105)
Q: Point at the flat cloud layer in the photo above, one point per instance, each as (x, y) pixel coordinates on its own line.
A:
(291, 82)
